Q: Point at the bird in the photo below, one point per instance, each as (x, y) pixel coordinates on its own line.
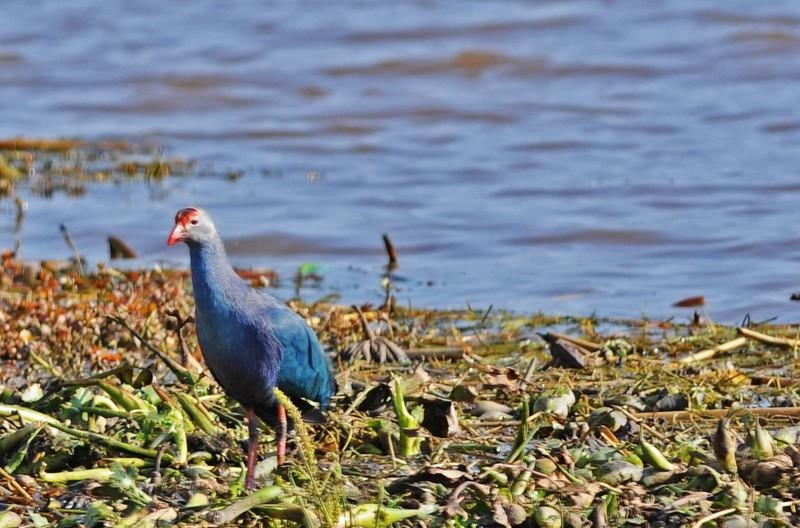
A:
(250, 340)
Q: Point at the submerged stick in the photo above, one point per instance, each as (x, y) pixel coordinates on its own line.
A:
(709, 353)
(391, 252)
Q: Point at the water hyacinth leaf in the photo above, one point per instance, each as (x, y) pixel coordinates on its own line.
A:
(10, 519)
(547, 517)
(672, 402)
(652, 477)
(444, 476)
(557, 401)
(616, 472)
(197, 501)
(769, 506)
(766, 473)
(98, 513)
(417, 381)
(25, 434)
(607, 417)
(124, 479)
(38, 520)
(615, 349)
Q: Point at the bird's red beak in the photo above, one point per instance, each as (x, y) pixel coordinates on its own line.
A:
(178, 234)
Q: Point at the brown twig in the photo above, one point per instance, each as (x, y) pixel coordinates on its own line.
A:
(679, 416)
(768, 339)
(435, 352)
(364, 324)
(181, 372)
(187, 359)
(583, 343)
(16, 486)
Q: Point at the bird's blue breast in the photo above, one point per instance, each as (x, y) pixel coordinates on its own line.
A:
(242, 354)
(251, 342)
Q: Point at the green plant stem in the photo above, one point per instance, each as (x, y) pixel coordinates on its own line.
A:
(408, 445)
(243, 505)
(97, 474)
(288, 511)
(29, 415)
(197, 413)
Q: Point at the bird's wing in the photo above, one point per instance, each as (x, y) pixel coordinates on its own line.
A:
(304, 368)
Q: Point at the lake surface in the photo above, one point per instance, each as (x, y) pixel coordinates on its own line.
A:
(566, 156)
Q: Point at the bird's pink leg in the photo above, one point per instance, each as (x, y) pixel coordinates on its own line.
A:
(252, 448)
(281, 435)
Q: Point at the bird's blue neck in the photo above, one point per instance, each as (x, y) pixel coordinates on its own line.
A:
(212, 274)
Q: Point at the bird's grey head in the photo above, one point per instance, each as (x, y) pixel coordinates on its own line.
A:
(192, 225)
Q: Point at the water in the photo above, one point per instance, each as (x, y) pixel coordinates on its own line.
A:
(569, 156)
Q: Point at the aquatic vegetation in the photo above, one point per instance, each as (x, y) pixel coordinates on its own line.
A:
(50, 166)
(107, 416)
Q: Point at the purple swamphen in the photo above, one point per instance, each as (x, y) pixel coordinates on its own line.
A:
(250, 341)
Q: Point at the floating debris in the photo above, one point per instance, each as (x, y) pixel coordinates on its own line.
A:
(117, 249)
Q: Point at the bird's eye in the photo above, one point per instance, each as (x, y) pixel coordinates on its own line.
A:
(194, 221)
